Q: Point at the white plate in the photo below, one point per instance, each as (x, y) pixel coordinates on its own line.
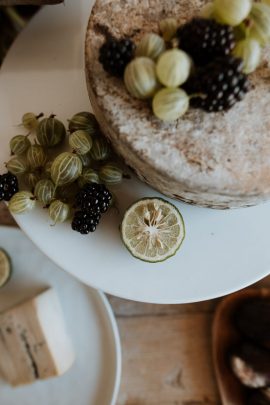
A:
(224, 251)
(95, 376)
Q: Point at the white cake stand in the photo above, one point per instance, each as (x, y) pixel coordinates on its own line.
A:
(224, 251)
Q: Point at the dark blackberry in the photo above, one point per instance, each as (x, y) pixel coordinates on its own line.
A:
(114, 55)
(220, 85)
(84, 223)
(205, 40)
(94, 198)
(8, 186)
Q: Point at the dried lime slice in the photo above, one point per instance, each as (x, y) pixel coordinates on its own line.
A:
(153, 230)
(5, 268)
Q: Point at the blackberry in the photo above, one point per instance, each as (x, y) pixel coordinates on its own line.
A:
(8, 186)
(84, 223)
(114, 55)
(93, 198)
(205, 40)
(220, 85)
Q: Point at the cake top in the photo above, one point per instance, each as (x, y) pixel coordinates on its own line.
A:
(211, 151)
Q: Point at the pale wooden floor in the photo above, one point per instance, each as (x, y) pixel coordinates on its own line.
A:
(166, 350)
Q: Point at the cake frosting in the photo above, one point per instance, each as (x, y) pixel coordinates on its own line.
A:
(219, 160)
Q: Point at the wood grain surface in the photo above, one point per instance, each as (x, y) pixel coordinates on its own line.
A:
(5, 217)
(167, 350)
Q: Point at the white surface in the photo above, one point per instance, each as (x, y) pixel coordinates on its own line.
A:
(95, 376)
(224, 251)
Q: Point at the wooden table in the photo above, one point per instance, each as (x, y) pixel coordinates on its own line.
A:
(166, 350)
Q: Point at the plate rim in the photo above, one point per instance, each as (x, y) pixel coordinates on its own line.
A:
(116, 338)
(107, 311)
(157, 302)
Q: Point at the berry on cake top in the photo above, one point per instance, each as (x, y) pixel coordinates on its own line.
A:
(203, 63)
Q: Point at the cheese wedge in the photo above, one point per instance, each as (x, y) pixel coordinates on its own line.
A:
(33, 341)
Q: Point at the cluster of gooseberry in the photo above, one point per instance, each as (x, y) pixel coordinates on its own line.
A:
(46, 174)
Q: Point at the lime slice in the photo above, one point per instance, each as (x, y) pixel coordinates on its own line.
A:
(5, 268)
(153, 230)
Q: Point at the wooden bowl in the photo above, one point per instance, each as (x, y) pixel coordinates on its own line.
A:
(226, 336)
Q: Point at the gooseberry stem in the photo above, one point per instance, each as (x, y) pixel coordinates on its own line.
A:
(175, 43)
(248, 25)
(15, 17)
(39, 116)
(197, 95)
